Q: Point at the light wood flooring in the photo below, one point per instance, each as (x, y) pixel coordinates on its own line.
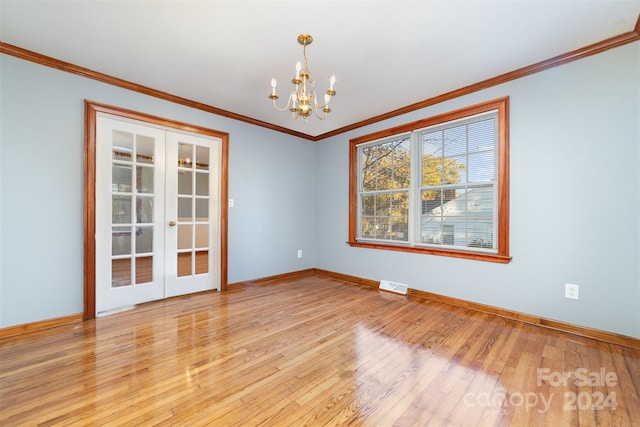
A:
(313, 351)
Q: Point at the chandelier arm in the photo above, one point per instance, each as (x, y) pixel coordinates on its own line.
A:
(315, 110)
(286, 107)
(278, 108)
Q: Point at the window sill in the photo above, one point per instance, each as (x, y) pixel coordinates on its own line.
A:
(478, 256)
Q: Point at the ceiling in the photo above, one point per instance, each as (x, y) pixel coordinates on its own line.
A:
(385, 54)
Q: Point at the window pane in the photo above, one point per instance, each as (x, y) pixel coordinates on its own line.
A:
(144, 240)
(482, 167)
(202, 209)
(368, 227)
(431, 170)
(432, 144)
(448, 234)
(400, 204)
(120, 272)
(121, 179)
(431, 200)
(368, 205)
(202, 184)
(383, 228)
(185, 155)
(202, 158)
(121, 241)
(184, 264)
(185, 182)
(430, 231)
(121, 209)
(185, 237)
(202, 235)
(455, 141)
(399, 228)
(122, 145)
(144, 269)
(144, 209)
(383, 205)
(144, 149)
(202, 262)
(482, 136)
(144, 179)
(185, 209)
(454, 170)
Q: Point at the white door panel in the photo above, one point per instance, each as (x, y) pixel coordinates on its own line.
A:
(157, 213)
(192, 204)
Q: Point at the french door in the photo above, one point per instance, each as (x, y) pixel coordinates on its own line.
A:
(157, 211)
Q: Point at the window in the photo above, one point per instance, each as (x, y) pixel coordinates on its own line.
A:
(438, 185)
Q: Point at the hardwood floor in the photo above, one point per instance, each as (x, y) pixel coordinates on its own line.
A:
(313, 351)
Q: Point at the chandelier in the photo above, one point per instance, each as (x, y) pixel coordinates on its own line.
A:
(303, 100)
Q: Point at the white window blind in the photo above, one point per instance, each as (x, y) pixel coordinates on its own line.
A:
(458, 188)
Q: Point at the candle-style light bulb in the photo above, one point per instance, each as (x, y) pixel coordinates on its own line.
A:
(332, 81)
(298, 68)
(327, 98)
(273, 86)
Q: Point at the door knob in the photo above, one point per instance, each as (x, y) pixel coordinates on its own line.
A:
(172, 223)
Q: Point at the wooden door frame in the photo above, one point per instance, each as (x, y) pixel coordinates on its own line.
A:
(91, 114)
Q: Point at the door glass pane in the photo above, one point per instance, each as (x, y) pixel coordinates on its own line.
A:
(202, 184)
(202, 262)
(144, 149)
(120, 272)
(184, 264)
(185, 155)
(202, 235)
(144, 179)
(122, 145)
(121, 178)
(185, 240)
(184, 209)
(202, 209)
(144, 209)
(202, 158)
(144, 269)
(121, 210)
(121, 241)
(144, 240)
(185, 182)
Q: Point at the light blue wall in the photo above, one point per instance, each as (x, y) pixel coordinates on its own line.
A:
(575, 200)
(271, 179)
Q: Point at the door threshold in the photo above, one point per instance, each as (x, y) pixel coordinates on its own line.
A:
(114, 311)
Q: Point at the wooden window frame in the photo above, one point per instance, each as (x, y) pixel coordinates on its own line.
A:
(502, 255)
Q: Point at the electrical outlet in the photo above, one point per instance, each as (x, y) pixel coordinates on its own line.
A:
(299, 253)
(571, 291)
